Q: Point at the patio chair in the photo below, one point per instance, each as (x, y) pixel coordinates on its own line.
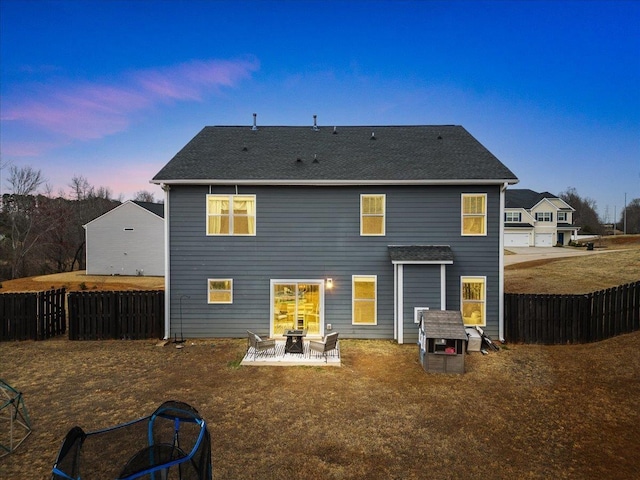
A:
(258, 344)
(328, 344)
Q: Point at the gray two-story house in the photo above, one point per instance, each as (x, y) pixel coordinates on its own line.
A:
(348, 229)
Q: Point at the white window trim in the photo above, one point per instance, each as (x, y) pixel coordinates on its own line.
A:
(230, 234)
(462, 215)
(484, 306)
(209, 280)
(513, 217)
(384, 214)
(353, 300)
(564, 217)
(544, 214)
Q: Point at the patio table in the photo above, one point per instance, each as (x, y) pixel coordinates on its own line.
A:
(295, 342)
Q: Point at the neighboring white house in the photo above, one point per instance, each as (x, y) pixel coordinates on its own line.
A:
(533, 219)
(128, 240)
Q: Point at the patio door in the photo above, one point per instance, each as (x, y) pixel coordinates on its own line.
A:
(296, 305)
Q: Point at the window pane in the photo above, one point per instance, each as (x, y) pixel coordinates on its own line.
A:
(372, 214)
(364, 289)
(473, 301)
(364, 300)
(372, 205)
(372, 225)
(473, 225)
(474, 214)
(219, 297)
(241, 221)
(364, 312)
(220, 291)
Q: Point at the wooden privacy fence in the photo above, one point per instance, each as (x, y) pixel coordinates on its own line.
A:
(116, 315)
(33, 315)
(559, 319)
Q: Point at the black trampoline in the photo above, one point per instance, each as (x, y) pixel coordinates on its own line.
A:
(171, 443)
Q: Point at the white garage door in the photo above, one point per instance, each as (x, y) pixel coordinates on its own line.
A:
(516, 239)
(544, 239)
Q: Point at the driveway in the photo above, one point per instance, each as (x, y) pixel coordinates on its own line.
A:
(527, 254)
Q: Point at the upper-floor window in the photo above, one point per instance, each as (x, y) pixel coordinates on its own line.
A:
(512, 216)
(372, 213)
(474, 214)
(220, 290)
(365, 308)
(231, 214)
(562, 216)
(544, 216)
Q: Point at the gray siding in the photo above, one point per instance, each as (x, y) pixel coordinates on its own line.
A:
(314, 233)
(112, 250)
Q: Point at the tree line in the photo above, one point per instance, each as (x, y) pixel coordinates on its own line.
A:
(42, 232)
(586, 216)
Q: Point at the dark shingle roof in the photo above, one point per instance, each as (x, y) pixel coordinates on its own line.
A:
(156, 208)
(444, 324)
(524, 198)
(420, 253)
(352, 154)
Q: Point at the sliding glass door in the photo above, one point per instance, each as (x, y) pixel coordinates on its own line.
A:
(296, 305)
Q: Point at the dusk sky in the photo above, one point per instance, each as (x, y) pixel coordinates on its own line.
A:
(111, 90)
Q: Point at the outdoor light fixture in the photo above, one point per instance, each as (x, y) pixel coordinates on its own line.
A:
(329, 283)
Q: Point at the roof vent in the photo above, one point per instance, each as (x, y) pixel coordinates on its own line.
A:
(315, 158)
(245, 149)
(335, 130)
(298, 160)
(373, 136)
(255, 125)
(439, 137)
(315, 123)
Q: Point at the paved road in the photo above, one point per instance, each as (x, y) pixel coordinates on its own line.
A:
(527, 254)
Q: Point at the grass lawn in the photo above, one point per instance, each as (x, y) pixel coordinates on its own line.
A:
(524, 412)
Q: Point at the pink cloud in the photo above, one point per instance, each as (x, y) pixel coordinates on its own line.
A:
(94, 110)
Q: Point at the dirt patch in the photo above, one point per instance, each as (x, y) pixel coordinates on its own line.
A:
(524, 412)
(79, 280)
(574, 275)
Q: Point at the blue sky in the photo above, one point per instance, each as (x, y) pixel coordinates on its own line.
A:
(111, 90)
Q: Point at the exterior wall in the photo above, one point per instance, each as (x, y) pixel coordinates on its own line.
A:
(314, 233)
(112, 250)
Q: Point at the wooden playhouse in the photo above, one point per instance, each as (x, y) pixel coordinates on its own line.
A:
(442, 341)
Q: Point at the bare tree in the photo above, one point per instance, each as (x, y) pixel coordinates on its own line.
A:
(144, 196)
(80, 188)
(22, 219)
(585, 215)
(633, 216)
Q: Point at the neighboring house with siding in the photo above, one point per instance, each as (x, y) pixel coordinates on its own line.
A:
(127, 240)
(533, 219)
(348, 229)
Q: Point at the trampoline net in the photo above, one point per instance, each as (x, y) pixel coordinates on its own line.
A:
(171, 443)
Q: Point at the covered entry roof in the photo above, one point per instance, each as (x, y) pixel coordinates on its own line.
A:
(433, 254)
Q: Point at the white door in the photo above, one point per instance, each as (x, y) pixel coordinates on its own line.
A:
(516, 239)
(544, 239)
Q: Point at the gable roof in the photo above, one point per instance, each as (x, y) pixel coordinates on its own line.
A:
(155, 208)
(339, 155)
(524, 198)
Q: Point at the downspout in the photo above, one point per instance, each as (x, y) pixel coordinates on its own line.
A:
(503, 189)
(167, 272)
